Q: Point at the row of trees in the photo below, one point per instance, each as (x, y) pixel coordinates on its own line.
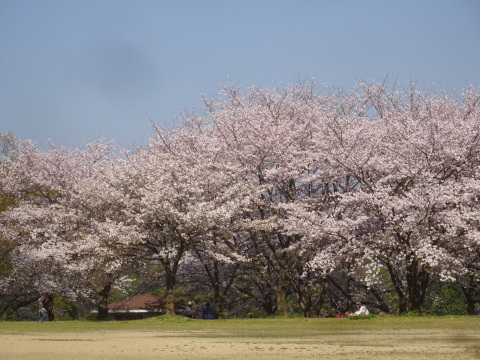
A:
(272, 200)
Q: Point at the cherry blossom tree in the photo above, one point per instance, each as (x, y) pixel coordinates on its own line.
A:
(267, 137)
(174, 198)
(412, 155)
(53, 228)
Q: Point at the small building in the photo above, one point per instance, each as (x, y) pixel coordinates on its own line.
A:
(139, 307)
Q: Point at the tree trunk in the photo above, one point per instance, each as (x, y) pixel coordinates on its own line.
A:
(170, 279)
(216, 274)
(381, 304)
(49, 304)
(304, 297)
(268, 306)
(102, 301)
(169, 302)
(219, 300)
(344, 290)
(418, 278)
(310, 297)
(470, 290)
(398, 286)
(219, 297)
(470, 305)
(306, 305)
(281, 300)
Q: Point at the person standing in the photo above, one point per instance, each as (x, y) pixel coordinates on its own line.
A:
(207, 312)
(41, 308)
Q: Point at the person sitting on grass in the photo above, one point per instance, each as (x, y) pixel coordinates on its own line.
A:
(361, 310)
(189, 310)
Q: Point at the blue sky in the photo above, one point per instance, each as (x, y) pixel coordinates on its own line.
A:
(72, 70)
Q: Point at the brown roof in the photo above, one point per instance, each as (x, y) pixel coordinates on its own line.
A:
(139, 302)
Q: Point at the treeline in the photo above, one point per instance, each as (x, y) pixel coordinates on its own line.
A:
(271, 202)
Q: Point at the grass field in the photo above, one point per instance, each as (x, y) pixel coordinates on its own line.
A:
(382, 337)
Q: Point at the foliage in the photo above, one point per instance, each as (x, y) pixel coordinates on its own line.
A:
(446, 299)
(65, 309)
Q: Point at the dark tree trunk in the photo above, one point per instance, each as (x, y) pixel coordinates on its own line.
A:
(218, 276)
(281, 299)
(418, 278)
(49, 305)
(170, 280)
(381, 304)
(306, 296)
(472, 293)
(102, 301)
(268, 305)
(344, 290)
(218, 292)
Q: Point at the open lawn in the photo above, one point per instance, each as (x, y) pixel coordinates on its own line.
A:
(382, 337)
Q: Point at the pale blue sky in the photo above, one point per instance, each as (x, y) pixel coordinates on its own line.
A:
(74, 69)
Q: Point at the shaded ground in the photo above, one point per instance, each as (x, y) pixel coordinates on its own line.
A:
(123, 344)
